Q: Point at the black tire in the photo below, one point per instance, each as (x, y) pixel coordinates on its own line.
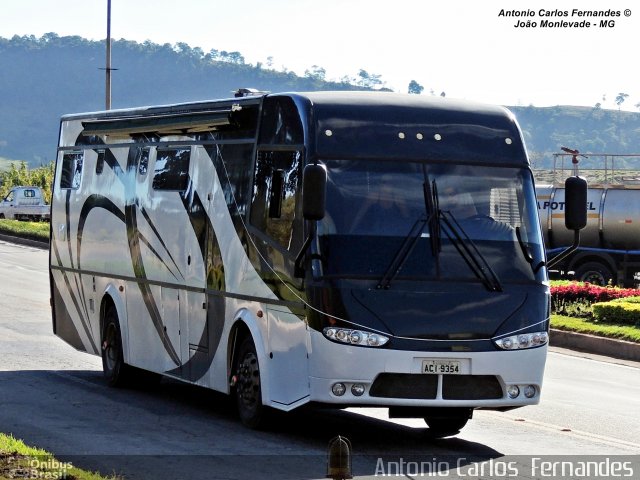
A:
(446, 426)
(116, 372)
(247, 388)
(595, 273)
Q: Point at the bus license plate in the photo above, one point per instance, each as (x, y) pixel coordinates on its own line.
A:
(444, 367)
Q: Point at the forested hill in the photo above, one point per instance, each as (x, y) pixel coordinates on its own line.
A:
(44, 78)
(588, 129)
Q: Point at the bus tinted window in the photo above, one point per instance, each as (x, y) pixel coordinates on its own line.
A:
(172, 169)
(274, 203)
(71, 170)
(100, 162)
(281, 123)
(143, 165)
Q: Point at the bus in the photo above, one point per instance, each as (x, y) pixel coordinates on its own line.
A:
(336, 248)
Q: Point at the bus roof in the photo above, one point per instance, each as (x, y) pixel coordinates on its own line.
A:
(413, 127)
(355, 125)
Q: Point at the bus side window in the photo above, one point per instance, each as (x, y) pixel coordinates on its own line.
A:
(172, 169)
(275, 196)
(143, 166)
(71, 170)
(100, 162)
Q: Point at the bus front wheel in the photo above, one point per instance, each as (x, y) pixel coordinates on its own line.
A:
(446, 426)
(246, 382)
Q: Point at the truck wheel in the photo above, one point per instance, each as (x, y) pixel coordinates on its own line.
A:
(116, 372)
(246, 381)
(446, 426)
(595, 273)
(1, 216)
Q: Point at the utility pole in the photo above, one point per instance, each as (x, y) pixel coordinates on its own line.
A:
(108, 63)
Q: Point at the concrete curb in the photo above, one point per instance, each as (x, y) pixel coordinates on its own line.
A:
(592, 344)
(25, 241)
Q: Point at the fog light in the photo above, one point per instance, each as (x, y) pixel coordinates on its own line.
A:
(338, 389)
(357, 389)
(529, 391)
(513, 391)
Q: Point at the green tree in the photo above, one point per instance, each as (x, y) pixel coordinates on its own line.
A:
(316, 73)
(620, 98)
(368, 80)
(415, 87)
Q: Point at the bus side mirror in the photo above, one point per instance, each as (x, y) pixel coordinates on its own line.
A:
(575, 207)
(575, 214)
(314, 192)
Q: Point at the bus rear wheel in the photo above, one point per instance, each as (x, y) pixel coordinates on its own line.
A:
(116, 372)
(441, 426)
(246, 382)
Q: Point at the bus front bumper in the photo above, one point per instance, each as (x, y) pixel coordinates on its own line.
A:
(352, 376)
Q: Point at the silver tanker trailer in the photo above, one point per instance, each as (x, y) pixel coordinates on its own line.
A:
(609, 249)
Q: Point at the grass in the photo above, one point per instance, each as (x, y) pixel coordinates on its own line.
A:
(609, 330)
(18, 460)
(32, 230)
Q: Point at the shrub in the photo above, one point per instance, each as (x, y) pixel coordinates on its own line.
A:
(575, 299)
(623, 310)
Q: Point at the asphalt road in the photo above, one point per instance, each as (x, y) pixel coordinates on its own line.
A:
(54, 397)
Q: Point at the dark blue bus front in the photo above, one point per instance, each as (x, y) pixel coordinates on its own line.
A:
(426, 276)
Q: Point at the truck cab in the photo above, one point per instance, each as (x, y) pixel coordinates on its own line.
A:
(24, 203)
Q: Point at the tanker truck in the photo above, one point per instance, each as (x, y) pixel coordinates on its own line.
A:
(609, 251)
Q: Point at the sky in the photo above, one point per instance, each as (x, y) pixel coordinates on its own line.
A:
(468, 49)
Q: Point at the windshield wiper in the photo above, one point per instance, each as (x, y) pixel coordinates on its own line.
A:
(527, 252)
(402, 254)
(432, 205)
(470, 253)
(432, 218)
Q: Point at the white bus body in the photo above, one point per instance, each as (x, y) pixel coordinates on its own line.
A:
(179, 247)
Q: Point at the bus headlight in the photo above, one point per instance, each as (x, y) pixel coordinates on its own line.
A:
(355, 337)
(522, 341)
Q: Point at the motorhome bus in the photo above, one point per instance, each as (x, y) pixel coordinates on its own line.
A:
(342, 248)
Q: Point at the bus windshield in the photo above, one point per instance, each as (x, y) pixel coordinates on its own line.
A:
(482, 214)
